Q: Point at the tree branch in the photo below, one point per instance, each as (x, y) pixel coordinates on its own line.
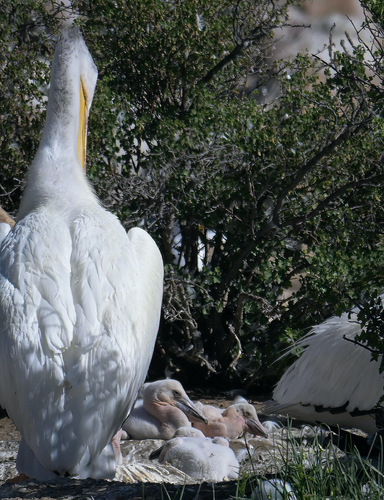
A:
(221, 64)
(334, 196)
(311, 164)
(255, 36)
(360, 344)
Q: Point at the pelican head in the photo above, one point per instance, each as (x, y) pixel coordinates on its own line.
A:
(252, 422)
(171, 393)
(63, 142)
(74, 77)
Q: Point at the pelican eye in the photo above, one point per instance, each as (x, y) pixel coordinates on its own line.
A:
(176, 394)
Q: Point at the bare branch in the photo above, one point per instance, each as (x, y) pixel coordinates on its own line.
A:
(239, 347)
(370, 181)
(360, 344)
(221, 64)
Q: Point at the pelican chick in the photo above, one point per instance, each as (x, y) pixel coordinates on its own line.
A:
(252, 423)
(209, 411)
(201, 458)
(233, 422)
(164, 408)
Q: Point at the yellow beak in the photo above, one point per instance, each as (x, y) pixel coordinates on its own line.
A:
(81, 137)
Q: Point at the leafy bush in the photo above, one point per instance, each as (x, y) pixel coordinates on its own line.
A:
(241, 196)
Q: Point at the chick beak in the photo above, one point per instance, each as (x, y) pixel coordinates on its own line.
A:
(255, 427)
(186, 406)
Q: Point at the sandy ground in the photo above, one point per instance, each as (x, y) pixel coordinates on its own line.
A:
(137, 477)
(141, 478)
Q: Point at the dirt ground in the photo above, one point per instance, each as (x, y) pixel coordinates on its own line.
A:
(162, 487)
(141, 478)
(8, 431)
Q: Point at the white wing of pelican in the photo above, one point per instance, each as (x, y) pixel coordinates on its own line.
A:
(334, 381)
(80, 298)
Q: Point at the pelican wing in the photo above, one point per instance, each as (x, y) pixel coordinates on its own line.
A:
(332, 372)
(79, 311)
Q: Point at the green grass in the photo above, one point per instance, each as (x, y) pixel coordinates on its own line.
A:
(319, 469)
(316, 466)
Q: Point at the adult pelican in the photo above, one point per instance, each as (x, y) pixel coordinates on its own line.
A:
(80, 298)
(334, 381)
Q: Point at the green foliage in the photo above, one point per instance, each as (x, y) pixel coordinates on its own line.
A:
(242, 197)
(376, 9)
(23, 87)
(371, 316)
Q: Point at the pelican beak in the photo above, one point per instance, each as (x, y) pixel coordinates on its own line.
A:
(186, 406)
(82, 134)
(255, 427)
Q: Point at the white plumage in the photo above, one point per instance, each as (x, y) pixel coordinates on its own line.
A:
(80, 298)
(334, 381)
(4, 230)
(273, 489)
(202, 458)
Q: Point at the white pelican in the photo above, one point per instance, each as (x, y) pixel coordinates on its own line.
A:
(334, 381)
(164, 408)
(80, 298)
